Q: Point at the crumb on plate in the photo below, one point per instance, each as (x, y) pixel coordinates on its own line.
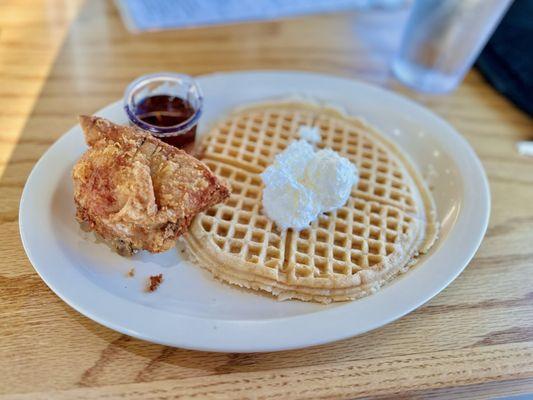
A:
(154, 282)
(131, 272)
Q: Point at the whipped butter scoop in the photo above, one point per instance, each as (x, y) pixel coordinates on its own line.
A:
(303, 183)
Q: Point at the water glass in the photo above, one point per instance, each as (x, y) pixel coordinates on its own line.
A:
(442, 39)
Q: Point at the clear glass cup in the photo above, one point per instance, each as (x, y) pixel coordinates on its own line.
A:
(166, 104)
(442, 39)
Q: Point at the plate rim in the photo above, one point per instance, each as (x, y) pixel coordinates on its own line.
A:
(226, 327)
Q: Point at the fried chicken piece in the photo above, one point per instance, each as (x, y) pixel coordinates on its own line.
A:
(136, 191)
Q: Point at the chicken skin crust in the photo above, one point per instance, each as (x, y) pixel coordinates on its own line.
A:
(137, 192)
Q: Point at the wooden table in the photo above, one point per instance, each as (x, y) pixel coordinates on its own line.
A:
(60, 58)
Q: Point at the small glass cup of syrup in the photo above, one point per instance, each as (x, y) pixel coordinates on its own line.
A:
(167, 105)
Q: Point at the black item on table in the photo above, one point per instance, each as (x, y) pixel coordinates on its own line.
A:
(507, 59)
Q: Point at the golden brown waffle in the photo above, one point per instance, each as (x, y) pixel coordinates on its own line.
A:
(388, 219)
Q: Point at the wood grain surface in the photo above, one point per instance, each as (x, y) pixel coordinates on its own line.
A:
(62, 58)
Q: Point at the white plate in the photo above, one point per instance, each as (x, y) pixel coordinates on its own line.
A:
(193, 311)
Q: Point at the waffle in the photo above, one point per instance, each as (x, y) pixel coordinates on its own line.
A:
(388, 220)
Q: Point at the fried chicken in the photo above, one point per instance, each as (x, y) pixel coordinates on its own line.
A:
(136, 191)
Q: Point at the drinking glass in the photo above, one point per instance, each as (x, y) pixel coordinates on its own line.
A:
(442, 39)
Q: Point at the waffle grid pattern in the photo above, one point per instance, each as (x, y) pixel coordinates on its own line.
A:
(380, 175)
(355, 237)
(253, 140)
(238, 227)
(378, 229)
